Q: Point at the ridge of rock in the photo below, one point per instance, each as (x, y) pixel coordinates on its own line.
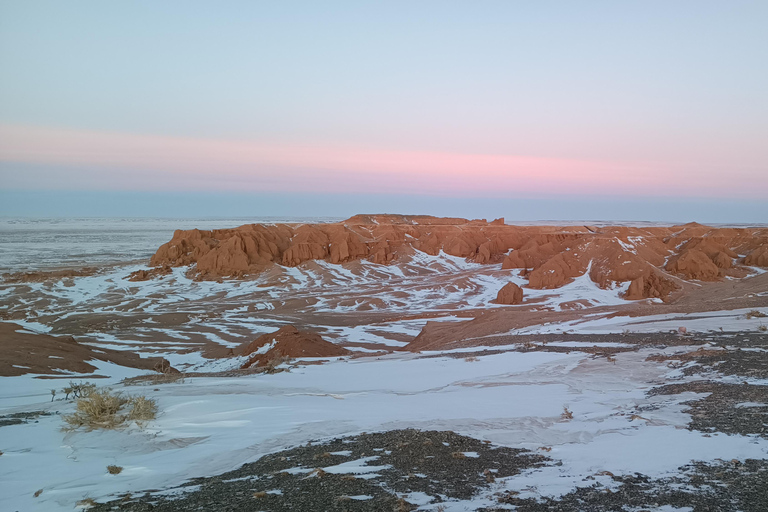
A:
(289, 342)
(551, 256)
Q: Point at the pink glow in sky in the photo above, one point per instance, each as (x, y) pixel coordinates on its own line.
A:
(571, 102)
(141, 162)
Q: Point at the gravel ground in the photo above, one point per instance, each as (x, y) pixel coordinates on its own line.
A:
(739, 407)
(724, 487)
(446, 466)
(729, 408)
(441, 464)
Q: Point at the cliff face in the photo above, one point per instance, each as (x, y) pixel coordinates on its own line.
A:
(553, 255)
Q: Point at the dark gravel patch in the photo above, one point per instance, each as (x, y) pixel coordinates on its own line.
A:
(732, 362)
(718, 412)
(634, 342)
(21, 417)
(719, 487)
(430, 462)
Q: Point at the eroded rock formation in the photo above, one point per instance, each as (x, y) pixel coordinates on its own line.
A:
(289, 342)
(510, 293)
(550, 256)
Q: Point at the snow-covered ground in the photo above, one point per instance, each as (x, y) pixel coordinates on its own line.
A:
(210, 425)
(733, 320)
(184, 314)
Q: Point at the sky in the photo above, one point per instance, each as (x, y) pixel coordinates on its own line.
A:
(632, 110)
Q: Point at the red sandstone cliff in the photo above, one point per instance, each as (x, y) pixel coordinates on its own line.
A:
(553, 255)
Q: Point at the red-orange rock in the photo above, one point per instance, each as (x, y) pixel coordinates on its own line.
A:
(510, 293)
(694, 264)
(650, 286)
(554, 254)
(758, 257)
(288, 341)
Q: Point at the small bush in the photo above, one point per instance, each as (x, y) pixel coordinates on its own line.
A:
(114, 470)
(77, 390)
(273, 364)
(142, 409)
(155, 379)
(86, 503)
(102, 409)
(403, 506)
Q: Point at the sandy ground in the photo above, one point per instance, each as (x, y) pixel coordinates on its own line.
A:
(58, 357)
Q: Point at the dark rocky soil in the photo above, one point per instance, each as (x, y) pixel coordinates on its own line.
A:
(730, 486)
(432, 462)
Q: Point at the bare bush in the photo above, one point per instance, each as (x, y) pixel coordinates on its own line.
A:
(273, 365)
(77, 390)
(104, 409)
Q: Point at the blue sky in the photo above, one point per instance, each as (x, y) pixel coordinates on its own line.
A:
(575, 99)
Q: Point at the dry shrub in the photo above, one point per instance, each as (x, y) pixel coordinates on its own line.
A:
(102, 409)
(403, 506)
(114, 470)
(77, 390)
(155, 379)
(168, 378)
(142, 409)
(272, 366)
(86, 503)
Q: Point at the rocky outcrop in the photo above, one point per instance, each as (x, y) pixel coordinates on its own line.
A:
(289, 342)
(510, 293)
(650, 286)
(694, 264)
(758, 257)
(550, 256)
